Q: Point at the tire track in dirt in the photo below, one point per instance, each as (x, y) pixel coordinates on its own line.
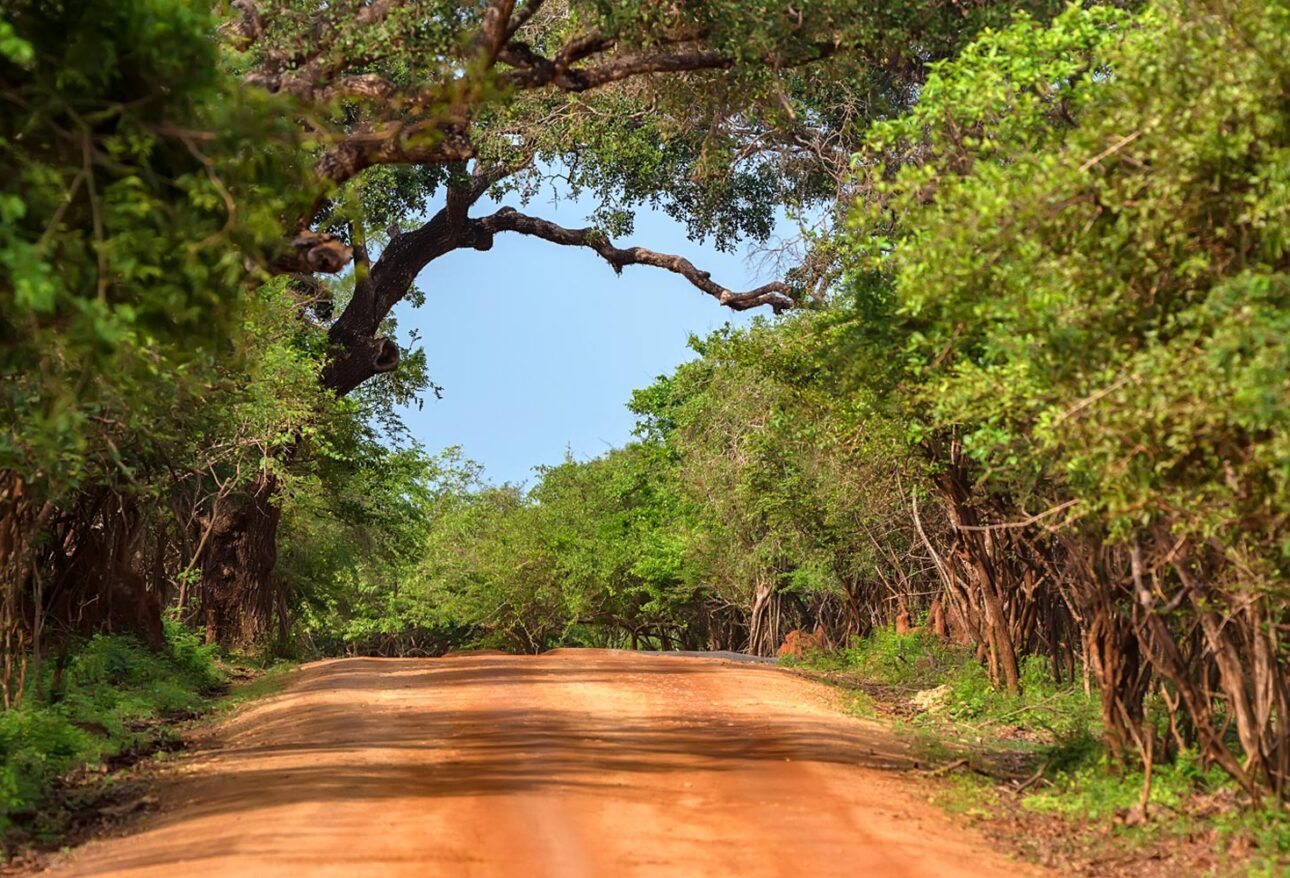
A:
(575, 763)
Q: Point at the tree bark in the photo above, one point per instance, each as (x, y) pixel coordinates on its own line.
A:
(238, 587)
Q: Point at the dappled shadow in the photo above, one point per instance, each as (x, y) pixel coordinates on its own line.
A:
(489, 670)
(503, 748)
(409, 740)
(486, 743)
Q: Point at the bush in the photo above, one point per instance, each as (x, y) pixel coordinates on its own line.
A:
(1089, 790)
(916, 659)
(35, 746)
(106, 699)
(921, 660)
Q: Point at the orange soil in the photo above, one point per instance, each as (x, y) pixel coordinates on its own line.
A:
(574, 763)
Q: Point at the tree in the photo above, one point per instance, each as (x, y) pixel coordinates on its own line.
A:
(420, 109)
(800, 496)
(1088, 271)
(134, 227)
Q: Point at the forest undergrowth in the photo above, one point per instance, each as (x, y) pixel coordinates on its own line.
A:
(75, 754)
(1032, 770)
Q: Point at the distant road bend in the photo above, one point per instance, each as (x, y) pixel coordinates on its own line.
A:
(573, 763)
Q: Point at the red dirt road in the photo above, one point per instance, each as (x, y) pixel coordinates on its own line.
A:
(574, 763)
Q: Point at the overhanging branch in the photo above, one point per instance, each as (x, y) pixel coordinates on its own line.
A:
(357, 352)
(778, 295)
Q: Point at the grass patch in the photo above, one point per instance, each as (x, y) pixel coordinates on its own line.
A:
(860, 704)
(968, 794)
(105, 703)
(1091, 790)
(1044, 750)
(104, 706)
(258, 683)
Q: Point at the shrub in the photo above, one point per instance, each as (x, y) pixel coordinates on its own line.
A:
(105, 699)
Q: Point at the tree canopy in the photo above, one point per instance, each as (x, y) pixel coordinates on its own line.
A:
(1026, 387)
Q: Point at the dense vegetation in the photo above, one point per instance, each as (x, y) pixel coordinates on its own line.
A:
(106, 703)
(1031, 389)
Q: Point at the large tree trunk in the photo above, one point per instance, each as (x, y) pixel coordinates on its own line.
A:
(238, 587)
(238, 591)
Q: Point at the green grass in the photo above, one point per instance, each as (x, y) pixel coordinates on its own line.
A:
(968, 794)
(1054, 729)
(920, 661)
(1091, 790)
(112, 696)
(1096, 793)
(266, 680)
(916, 660)
(1268, 830)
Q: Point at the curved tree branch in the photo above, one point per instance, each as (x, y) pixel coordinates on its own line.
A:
(522, 16)
(444, 136)
(534, 71)
(434, 141)
(495, 29)
(778, 295)
(357, 352)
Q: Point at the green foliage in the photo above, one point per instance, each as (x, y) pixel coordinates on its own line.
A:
(354, 538)
(98, 700)
(914, 660)
(1117, 185)
(128, 217)
(593, 554)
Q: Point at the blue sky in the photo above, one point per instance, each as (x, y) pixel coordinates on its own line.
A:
(539, 346)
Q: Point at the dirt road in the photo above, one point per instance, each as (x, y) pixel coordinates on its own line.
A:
(574, 763)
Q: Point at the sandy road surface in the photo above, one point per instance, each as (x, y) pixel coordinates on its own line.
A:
(574, 763)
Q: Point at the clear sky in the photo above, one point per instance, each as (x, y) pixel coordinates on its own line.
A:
(539, 346)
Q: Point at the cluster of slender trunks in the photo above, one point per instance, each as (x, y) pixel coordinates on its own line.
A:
(1178, 661)
(1182, 657)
